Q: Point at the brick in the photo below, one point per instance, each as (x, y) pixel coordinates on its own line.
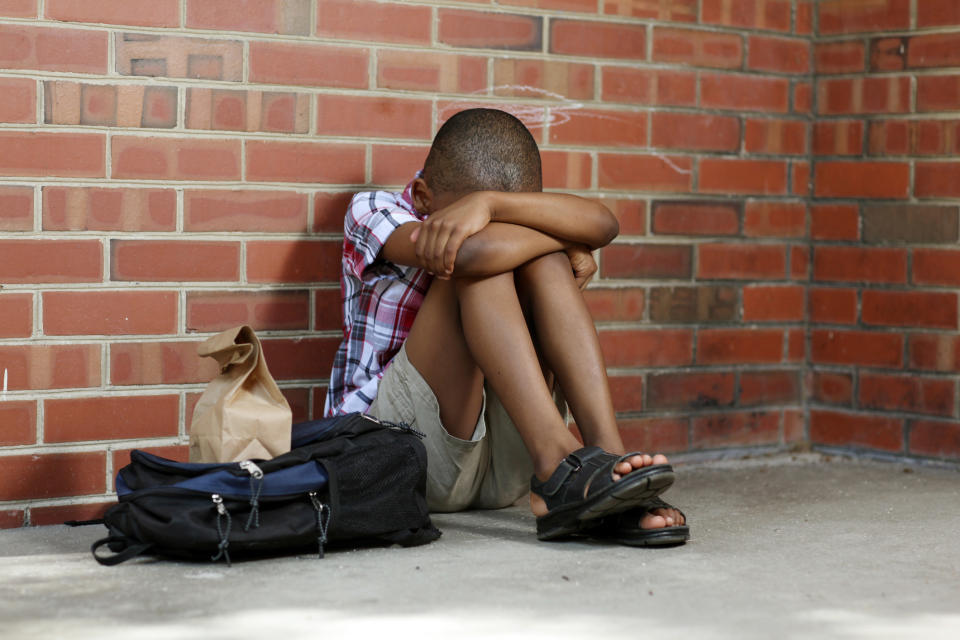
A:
(738, 261)
(299, 401)
(915, 137)
(543, 79)
(270, 161)
(60, 514)
(141, 54)
(79, 313)
(108, 209)
(534, 117)
(396, 165)
(175, 158)
(838, 138)
(16, 315)
(938, 13)
(300, 358)
(694, 131)
(36, 367)
(19, 420)
(878, 94)
(936, 266)
(39, 261)
(665, 87)
(558, 5)
(600, 127)
(645, 172)
(46, 154)
(736, 429)
(53, 49)
(674, 11)
(622, 304)
(327, 311)
(598, 39)
(646, 348)
(856, 264)
(834, 222)
(936, 310)
(845, 56)
(230, 110)
(696, 217)
(847, 179)
(803, 97)
(286, 261)
(264, 311)
(312, 65)
(174, 260)
(937, 50)
(842, 16)
(689, 390)
(18, 9)
(799, 262)
(888, 54)
(937, 179)
(856, 430)
(110, 418)
(832, 388)
(19, 100)
(631, 214)
(934, 352)
(865, 348)
(288, 17)
(697, 48)
(146, 363)
(907, 393)
(910, 223)
(938, 93)
(693, 305)
(329, 210)
(36, 476)
(774, 219)
(739, 346)
(800, 178)
(488, 30)
(244, 210)
(626, 392)
(773, 304)
(934, 438)
(373, 116)
(16, 208)
(769, 388)
(140, 13)
(794, 427)
(645, 261)
(759, 14)
(833, 306)
(779, 55)
(12, 518)
(744, 93)
(86, 104)
(735, 175)
(664, 435)
(566, 170)
(430, 71)
(775, 136)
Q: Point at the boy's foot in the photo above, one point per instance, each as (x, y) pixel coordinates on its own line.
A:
(641, 526)
(591, 483)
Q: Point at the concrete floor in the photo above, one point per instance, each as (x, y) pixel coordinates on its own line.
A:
(784, 547)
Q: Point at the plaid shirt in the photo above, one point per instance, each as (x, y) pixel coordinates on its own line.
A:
(380, 299)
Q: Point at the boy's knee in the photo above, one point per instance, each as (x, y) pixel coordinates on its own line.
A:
(546, 267)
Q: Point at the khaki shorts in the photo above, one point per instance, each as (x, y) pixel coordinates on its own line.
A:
(489, 471)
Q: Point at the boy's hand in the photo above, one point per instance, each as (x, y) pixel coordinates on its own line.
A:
(583, 265)
(439, 237)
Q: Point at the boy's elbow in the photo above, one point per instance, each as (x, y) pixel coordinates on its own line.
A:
(611, 230)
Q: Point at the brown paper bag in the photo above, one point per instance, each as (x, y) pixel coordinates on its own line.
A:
(241, 414)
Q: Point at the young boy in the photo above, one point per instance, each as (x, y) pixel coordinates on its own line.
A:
(461, 304)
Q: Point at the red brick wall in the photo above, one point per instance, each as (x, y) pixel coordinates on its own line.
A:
(174, 167)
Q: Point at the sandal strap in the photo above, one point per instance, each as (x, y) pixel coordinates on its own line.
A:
(586, 463)
(657, 503)
(573, 463)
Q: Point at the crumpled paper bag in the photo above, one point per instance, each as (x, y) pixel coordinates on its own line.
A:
(241, 414)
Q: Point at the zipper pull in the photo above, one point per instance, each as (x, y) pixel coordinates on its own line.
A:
(222, 532)
(256, 486)
(217, 500)
(323, 520)
(251, 467)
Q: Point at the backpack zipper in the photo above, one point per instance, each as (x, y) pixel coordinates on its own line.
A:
(323, 521)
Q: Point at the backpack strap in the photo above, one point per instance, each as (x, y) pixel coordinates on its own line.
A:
(127, 551)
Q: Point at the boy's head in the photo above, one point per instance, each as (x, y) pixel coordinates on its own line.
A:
(481, 150)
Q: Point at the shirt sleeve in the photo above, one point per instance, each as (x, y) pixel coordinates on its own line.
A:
(370, 220)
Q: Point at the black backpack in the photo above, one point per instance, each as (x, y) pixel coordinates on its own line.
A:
(348, 479)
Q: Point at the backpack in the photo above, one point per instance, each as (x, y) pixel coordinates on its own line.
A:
(350, 479)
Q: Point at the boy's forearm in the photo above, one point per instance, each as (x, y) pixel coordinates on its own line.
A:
(557, 214)
(502, 247)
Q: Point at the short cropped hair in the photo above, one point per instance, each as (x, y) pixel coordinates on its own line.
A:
(483, 150)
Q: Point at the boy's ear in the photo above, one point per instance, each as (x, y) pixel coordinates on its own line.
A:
(422, 197)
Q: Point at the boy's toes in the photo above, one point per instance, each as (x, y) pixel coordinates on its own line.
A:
(652, 520)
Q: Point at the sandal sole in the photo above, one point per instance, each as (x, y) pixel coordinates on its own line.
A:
(666, 537)
(630, 491)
